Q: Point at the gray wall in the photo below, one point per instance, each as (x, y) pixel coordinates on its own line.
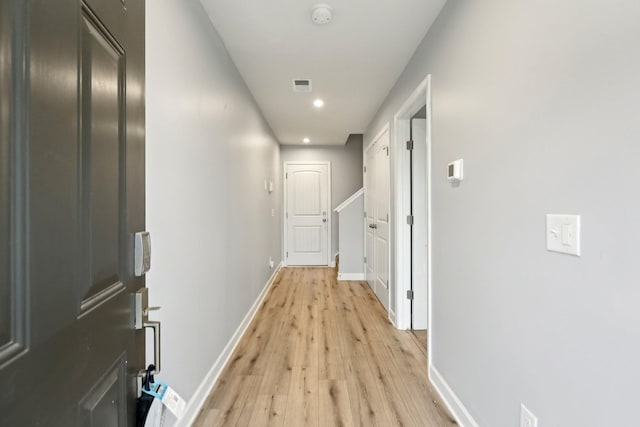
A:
(346, 171)
(351, 239)
(541, 100)
(209, 151)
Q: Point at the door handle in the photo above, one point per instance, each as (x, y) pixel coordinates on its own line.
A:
(155, 325)
(374, 226)
(324, 219)
(141, 321)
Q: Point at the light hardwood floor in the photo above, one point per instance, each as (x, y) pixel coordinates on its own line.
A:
(322, 353)
(420, 337)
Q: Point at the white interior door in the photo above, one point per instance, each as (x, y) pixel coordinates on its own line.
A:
(377, 205)
(307, 213)
(419, 255)
(370, 211)
(382, 220)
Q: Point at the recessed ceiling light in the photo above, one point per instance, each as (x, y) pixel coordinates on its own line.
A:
(306, 140)
(318, 103)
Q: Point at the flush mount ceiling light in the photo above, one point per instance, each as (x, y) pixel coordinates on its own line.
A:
(318, 103)
(306, 140)
(321, 14)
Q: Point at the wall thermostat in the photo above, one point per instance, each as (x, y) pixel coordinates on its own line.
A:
(142, 253)
(454, 171)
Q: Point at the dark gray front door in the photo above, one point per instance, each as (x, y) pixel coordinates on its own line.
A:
(71, 197)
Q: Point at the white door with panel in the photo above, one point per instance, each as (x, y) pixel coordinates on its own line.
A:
(307, 219)
(377, 211)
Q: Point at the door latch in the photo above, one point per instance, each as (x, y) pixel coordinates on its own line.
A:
(141, 321)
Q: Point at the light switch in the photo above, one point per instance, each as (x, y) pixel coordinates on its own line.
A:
(563, 234)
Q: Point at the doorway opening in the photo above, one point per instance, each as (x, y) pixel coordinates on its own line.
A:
(413, 210)
(417, 148)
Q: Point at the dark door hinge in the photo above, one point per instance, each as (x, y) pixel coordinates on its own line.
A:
(410, 294)
(410, 219)
(409, 145)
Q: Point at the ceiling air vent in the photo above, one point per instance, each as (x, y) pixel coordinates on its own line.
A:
(302, 85)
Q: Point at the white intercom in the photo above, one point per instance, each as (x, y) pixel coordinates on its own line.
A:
(454, 171)
(142, 253)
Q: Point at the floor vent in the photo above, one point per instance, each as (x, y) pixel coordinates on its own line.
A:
(301, 85)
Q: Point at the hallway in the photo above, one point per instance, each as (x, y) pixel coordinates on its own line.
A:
(322, 353)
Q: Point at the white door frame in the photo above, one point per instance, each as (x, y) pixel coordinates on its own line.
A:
(420, 96)
(385, 128)
(330, 261)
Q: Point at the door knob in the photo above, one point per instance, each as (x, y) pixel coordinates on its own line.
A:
(374, 226)
(324, 219)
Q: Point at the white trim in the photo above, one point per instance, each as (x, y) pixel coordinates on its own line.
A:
(204, 389)
(330, 263)
(350, 200)
(385, 128)
(333, 264)
(451, 400)
(418, 98)
(351, 276)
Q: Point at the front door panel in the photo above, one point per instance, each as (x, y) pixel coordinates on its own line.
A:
(307, 214)
(72, 193)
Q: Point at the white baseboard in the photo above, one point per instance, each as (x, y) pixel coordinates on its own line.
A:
(455, 406)
(202, 392)
(351, 276)
(393, 319)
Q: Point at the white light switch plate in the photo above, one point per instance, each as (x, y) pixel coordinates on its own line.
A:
(563, 234)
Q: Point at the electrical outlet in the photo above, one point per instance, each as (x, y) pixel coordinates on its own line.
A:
(527, 419)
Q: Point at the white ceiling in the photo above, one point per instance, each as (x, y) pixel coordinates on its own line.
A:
(353, 62)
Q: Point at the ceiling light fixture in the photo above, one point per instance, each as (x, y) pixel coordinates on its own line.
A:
(306, 140)
(321, 14)
(318, 103)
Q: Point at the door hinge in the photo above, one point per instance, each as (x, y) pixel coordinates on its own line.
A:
(365, 260)
(410, 294)
(365, 169)
(410, 219)
(387, 150)
(365, 214)
(409, 145)
(387, 217)
(287, 254)
(286, 175)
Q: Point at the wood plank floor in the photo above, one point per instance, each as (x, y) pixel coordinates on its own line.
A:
(420, 337)
(322, 353)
